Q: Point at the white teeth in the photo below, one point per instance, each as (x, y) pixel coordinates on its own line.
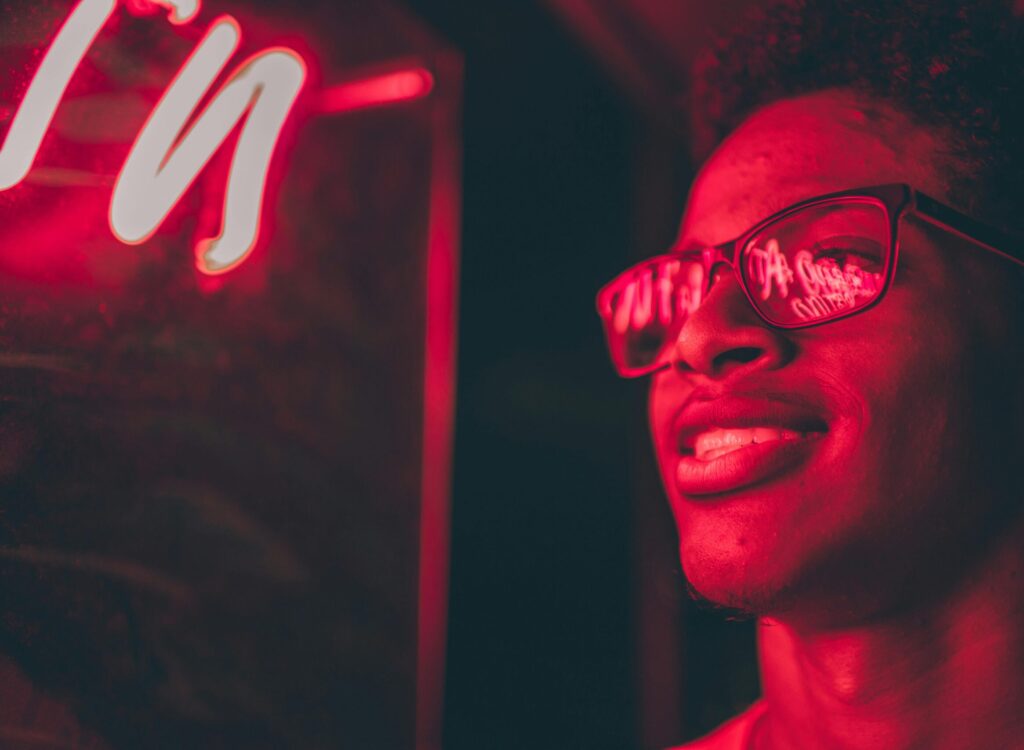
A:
(717, 442)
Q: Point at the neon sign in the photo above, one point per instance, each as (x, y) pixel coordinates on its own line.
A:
(177, 141)
(166, 159)
(160, 167)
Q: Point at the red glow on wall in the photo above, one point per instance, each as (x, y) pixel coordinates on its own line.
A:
(438, 426)
(390, 88)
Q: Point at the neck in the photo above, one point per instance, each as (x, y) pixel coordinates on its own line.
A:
(949, 676)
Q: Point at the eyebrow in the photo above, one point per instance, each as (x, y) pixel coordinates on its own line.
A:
(832, 221)
(774, 204)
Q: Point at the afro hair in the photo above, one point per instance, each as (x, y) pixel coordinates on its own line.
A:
(950, 65)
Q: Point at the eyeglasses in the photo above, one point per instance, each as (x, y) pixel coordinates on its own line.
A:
(816, 262)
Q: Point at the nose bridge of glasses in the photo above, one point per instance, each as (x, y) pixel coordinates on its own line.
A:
(646, 308)
(714, 259)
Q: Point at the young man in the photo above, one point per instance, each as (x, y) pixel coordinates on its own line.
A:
(835, 353)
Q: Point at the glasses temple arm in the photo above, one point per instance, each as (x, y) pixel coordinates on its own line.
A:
(994, 240)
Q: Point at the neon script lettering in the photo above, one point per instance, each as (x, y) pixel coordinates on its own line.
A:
(672, 290)
(828, 288)
(824, 287)
(769, 267)
(175, 144)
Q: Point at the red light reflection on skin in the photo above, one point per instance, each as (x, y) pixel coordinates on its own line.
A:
(390, 88)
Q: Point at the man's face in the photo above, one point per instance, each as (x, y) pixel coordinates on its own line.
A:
(880, 438)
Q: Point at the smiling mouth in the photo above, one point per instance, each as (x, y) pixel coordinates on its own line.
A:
(716, 441)
(714, 460)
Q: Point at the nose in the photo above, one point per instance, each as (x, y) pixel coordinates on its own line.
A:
(725, 336)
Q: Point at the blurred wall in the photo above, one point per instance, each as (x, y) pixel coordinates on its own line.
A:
(569, 623)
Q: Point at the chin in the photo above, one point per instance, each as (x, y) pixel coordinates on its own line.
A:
(765, 554)
(741, 575)
(783, 545)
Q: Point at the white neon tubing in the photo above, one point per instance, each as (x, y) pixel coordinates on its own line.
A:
(163, 163)
(182, 11)
(37, 108)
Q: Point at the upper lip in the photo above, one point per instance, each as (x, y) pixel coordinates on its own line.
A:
(726, 412)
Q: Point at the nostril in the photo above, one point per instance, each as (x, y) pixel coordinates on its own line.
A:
(739, 355)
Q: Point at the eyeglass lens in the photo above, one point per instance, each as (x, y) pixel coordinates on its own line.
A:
(818, 263)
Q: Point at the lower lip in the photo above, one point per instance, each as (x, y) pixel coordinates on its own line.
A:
(743, 467)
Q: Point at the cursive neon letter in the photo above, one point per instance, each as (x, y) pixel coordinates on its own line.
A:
(163, 163)
(39, 104)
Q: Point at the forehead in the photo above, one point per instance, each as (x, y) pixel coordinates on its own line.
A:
(804, 147)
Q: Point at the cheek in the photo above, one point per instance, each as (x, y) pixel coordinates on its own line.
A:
(665, 398)
(891, 394)
(895, 459)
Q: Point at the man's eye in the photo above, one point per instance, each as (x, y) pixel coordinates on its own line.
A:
(844, 257)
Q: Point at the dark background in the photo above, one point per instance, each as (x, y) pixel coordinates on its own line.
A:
(568, 624)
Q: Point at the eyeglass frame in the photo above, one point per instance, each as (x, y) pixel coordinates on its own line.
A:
(898, 199)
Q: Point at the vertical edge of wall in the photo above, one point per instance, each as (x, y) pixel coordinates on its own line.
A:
(439, 394)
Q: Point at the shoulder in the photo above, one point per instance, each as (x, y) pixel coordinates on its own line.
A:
(733, 735)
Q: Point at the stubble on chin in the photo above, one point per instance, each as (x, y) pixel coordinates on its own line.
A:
(736, 609)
